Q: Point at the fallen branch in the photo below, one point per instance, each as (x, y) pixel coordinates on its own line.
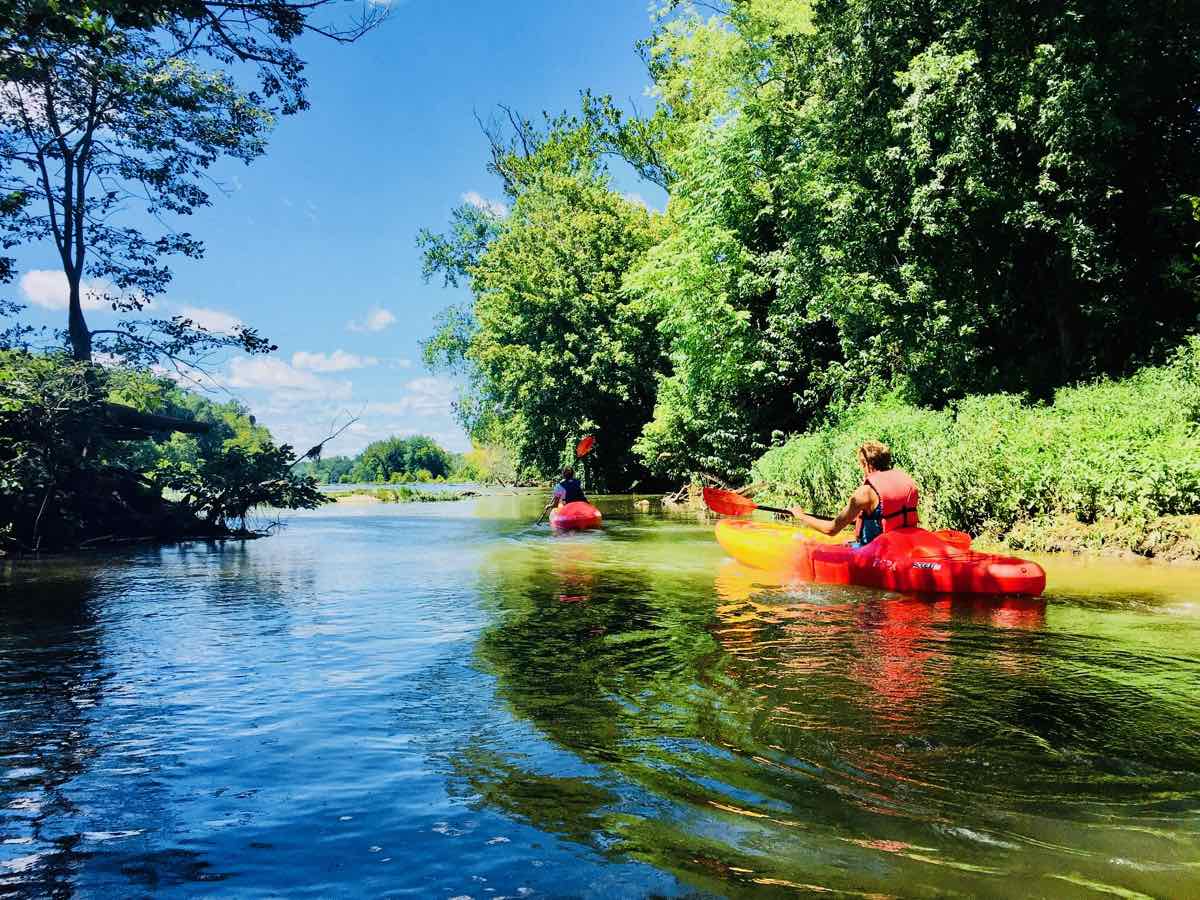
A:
(314, 452)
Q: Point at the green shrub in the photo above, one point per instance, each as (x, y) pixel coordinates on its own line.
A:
(1122, 449)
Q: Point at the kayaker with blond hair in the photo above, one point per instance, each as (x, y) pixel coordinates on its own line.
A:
(886, 500)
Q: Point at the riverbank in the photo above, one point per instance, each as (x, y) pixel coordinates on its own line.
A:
(1108, 467)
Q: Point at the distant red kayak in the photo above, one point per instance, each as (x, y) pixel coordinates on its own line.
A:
(577, 515)
(906, 559)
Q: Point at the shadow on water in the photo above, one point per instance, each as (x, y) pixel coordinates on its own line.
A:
(51, 662)
(95, 696)
(750, 735)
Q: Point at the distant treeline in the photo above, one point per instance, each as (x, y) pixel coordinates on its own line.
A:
(940, 199)
(411, 459)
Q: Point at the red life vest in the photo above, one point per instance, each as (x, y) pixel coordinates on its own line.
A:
(897, 501)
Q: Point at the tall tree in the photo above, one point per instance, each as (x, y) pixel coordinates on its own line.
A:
(106, 110)
(552, 346)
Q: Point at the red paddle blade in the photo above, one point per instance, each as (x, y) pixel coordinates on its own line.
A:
(585, 446)
(727, 503)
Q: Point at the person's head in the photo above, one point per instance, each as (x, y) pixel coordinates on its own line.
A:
(874, 456)
(568, 473)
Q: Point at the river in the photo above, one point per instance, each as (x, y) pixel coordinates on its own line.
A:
(442, 700)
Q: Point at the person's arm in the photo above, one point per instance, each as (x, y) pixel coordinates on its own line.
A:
(860, 501)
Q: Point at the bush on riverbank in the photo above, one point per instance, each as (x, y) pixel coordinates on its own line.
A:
(73, 473)
(1114, 455)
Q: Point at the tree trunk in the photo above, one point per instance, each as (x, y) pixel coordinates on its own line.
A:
(77, 328)
(127, 423)
(1068, 319)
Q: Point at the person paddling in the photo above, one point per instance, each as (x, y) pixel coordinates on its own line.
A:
(569, 490)
(886, 500)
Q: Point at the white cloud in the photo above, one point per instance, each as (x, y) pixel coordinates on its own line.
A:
(302, 416)
(267, 373)
(213, 320)
(376, 319)
(635, 197)
(420, 396)
(48, 289)
(476, 199)
(337, 361)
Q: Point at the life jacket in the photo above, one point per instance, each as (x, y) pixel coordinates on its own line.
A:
(897, 504)
(573, 491)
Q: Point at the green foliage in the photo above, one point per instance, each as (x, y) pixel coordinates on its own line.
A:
(394, 460)
(958, 198)
(224, 487)
(69, 474)
(1124, 449)
(486, 464)
(552, 348)
(47, 426)
(969, 198)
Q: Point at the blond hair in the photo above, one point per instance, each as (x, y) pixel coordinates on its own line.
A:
(876, 454)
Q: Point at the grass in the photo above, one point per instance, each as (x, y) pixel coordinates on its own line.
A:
(401, 494)
(1110, 464)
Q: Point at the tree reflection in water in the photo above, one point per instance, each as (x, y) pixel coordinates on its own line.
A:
(750, 734)
(50, 663)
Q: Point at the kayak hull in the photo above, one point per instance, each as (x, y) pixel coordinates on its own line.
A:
(906, 559)
(575, 516)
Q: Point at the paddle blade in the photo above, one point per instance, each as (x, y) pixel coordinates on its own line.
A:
(585, 446)
(727, 503)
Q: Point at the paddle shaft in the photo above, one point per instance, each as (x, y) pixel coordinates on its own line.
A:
(788, 512)
(774, 509)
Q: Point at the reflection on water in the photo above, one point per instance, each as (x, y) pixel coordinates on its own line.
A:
(453, 702)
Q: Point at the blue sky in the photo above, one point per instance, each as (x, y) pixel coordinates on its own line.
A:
(315, 243)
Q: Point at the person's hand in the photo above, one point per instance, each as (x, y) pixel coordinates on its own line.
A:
(796, 512)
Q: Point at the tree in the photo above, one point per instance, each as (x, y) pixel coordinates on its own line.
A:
(88, 128)
(67, 476)
(224, 487)
(107, 107)
(552, 347)
(401, 459)
(949, 198)
(257, 33)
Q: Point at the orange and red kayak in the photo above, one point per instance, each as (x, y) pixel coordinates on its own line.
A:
(905, 559)
(577, 515)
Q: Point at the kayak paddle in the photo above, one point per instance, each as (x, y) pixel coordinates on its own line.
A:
(728, 503)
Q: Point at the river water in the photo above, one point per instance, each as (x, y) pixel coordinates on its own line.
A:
(441, 700)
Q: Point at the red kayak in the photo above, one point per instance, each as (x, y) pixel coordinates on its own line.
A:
(905, 559)
(577, 516)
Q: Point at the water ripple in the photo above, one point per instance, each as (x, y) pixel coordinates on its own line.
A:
(457, 703)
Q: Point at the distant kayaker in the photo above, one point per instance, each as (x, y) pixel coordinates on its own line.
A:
(569, 490)
(886, 500)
